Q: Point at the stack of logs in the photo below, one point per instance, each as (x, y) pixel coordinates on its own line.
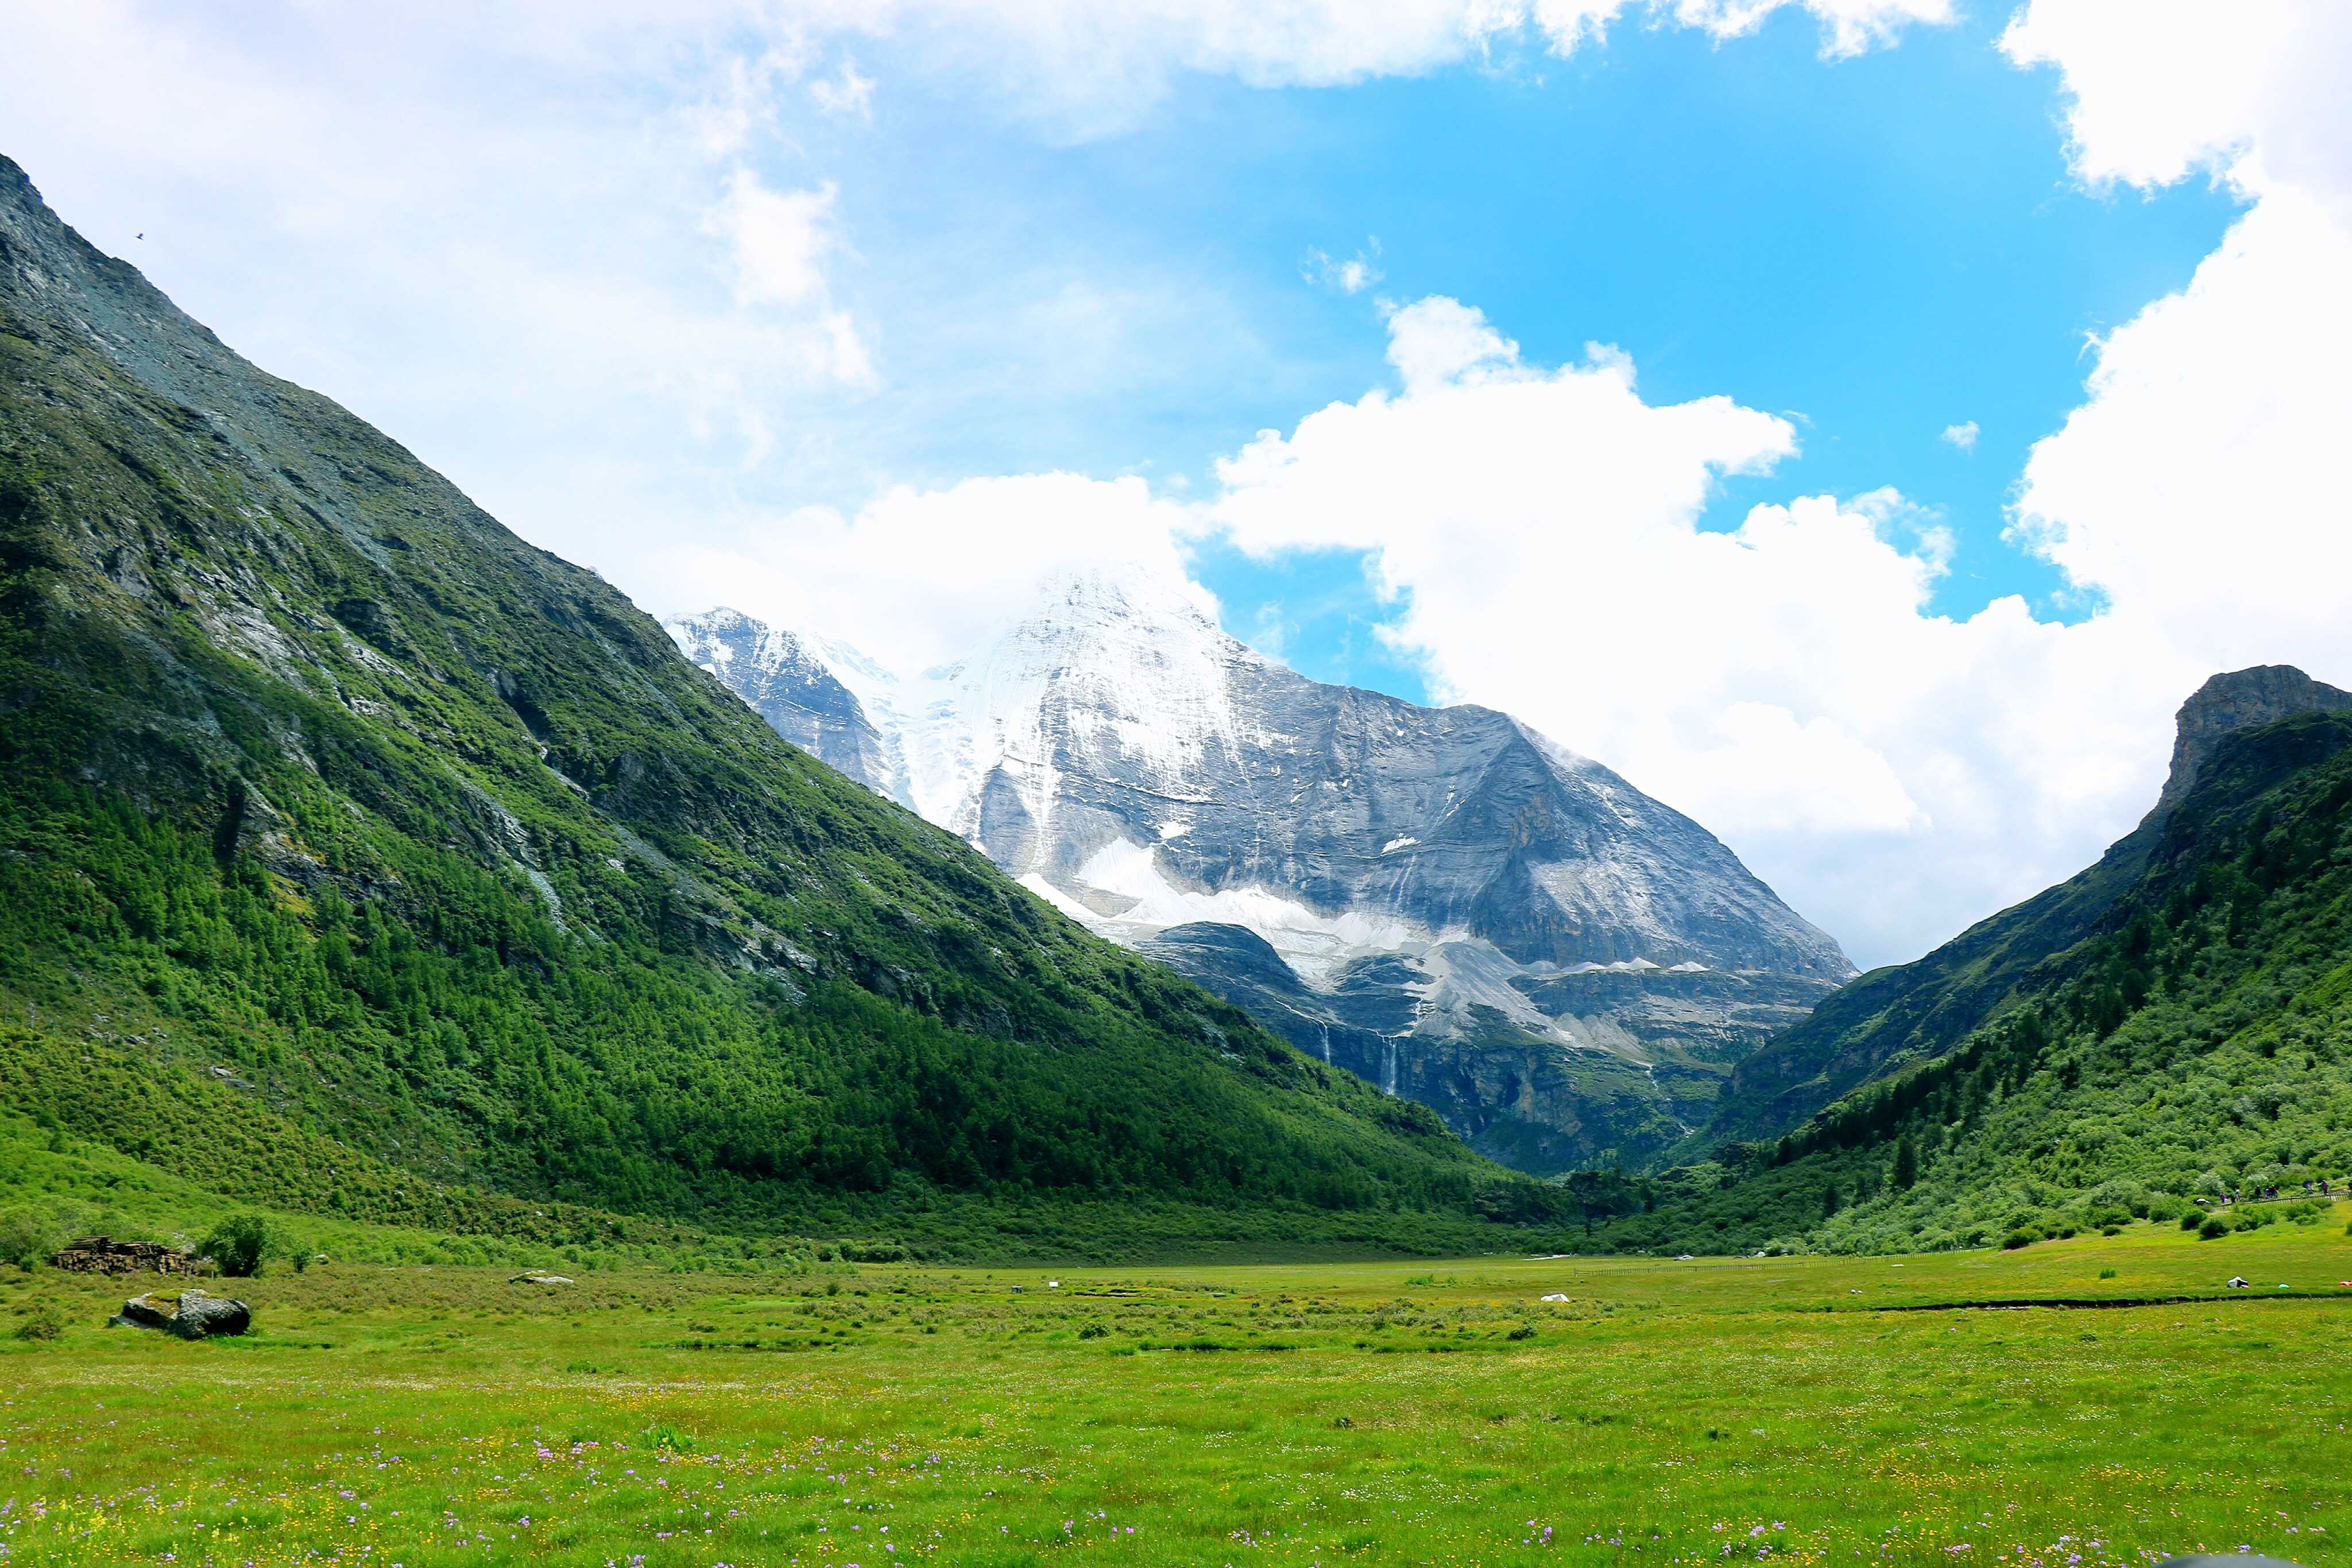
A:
(104, 1255)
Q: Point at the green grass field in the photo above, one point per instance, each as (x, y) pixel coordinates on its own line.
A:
(1666, 1411)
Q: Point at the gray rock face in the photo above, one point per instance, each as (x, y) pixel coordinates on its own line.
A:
(195, 1315)
(791, 688)
(1439, 899)
(2238, 700)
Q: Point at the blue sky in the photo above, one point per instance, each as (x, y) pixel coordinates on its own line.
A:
(860, 315)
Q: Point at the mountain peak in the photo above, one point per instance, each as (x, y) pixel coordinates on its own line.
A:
(2236, 700)
(1135, 597)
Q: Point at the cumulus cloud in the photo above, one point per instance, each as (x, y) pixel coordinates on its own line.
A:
(2199, 486)
(2170, 87)
(1962, 436)
(1895, 772)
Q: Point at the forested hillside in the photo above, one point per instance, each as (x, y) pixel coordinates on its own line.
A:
(2196, 1036)
(1910, 1012)
(328, 798)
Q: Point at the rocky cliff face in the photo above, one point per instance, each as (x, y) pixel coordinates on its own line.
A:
(791, 688)
(1441, 900)
(2237, 700)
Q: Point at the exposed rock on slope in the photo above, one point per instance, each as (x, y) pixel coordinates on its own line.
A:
(1465, 913)
(2241, 699)
(793, 691)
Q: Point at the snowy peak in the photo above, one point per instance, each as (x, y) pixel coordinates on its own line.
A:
(1440, 883)
(1147, 770)
(788, 685)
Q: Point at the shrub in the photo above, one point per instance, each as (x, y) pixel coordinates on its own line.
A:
(2127, 1195)
(25, 1238)
(2214, 1225)
(2196, 1218)
(2017, 1238)
(238, 1245)
(42, 1321)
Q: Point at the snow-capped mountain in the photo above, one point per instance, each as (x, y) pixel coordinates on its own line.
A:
(1440, 899)
(794, 690)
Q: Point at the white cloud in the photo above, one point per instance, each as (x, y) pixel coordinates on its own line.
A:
(1849, 28)
(779, 240)
(650, 274)
(1962, 436)
(847, 94)
(2165, 89)
(1086, 69)
(2199, 488)
(1898, 773)
(1895, 772)
(1352, 274)
(917, 577)
(1438, 340)
(533, 281)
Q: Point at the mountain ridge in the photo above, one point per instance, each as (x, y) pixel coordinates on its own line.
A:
(2166, 1027)
(1917, 1009)
(1442, 881)
(317, 777)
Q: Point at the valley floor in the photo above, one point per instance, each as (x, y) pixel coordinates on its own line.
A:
(1664, 1412)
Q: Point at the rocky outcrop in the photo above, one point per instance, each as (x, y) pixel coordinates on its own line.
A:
(790, 687)
(104, 1255)
(2238, 700)
(195, 1315)
(1466, 913)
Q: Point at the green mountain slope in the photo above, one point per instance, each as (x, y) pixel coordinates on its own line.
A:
(324, 792)
(1911, 1012)
(2187, 1028)
(1914, 1011)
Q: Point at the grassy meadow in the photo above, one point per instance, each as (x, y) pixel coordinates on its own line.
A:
(1663, 1412)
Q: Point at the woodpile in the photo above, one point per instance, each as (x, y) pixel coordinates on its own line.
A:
(104, 1255)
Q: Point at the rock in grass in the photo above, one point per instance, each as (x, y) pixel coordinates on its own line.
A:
(534, 1277)
(195, 1315)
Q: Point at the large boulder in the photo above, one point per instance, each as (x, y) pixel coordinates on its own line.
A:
(195, 1315)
